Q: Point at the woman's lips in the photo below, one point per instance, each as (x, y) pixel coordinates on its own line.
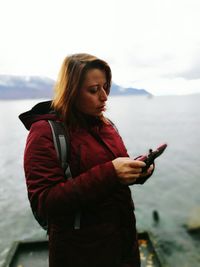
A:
(102, 108)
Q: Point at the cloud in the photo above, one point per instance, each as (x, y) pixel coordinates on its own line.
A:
(191, 73)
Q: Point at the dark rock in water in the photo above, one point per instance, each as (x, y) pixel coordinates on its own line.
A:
(156, 216)
(194, 233)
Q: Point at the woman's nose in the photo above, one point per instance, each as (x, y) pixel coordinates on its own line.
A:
(103, 95)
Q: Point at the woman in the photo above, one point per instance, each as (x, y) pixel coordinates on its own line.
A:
(101, 171)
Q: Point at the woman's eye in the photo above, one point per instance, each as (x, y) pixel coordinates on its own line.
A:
(93, 90)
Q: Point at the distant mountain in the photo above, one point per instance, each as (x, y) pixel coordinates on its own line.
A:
(25, 87)
(29, 87)
(117, 90)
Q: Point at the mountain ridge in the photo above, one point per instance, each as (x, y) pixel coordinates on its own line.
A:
(32, 87)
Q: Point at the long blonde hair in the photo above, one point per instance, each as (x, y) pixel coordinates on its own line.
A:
(70, 79)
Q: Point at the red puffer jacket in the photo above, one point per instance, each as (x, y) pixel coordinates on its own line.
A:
(107, 234)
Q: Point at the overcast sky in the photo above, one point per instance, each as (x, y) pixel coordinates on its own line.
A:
(150, 44)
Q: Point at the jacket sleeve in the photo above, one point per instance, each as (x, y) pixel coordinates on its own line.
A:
(48, 191)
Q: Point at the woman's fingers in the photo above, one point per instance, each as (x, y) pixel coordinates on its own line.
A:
(148, 171)
(128, 170)
(137, 163)
(129, 179)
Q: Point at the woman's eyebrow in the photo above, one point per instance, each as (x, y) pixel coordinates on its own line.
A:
(97, 84)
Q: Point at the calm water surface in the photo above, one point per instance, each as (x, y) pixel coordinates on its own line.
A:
(173, 191)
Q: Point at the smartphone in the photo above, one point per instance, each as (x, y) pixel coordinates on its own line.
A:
(151, 156)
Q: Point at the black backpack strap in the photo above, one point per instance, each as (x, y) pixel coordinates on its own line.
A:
(61, 143)
(62, 146)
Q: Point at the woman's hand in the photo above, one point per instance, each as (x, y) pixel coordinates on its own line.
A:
(129, 170)
(148, 171)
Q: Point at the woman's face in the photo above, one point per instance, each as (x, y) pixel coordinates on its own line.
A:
(93, 93)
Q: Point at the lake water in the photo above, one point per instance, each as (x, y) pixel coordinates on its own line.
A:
(173, 191)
